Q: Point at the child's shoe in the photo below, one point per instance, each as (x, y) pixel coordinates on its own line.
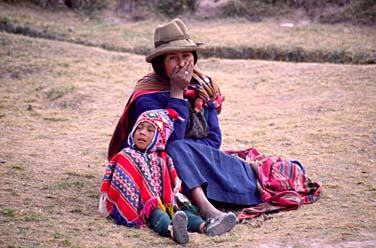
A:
(179, 227)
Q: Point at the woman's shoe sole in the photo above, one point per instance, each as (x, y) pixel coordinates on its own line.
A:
(221, 225)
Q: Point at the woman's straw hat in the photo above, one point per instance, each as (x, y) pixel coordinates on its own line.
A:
(170, 37)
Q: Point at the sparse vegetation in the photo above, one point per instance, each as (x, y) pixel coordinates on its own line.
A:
(235, 39)
(173, 8)
(60, 101)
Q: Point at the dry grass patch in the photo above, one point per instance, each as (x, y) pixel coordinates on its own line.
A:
(226, 38)
(60, 102)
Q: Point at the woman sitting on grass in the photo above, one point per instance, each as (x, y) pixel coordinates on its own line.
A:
(208, 174)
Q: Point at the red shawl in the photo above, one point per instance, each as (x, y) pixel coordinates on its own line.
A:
(151, 83)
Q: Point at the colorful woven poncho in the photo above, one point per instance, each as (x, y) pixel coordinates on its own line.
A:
(136, 182)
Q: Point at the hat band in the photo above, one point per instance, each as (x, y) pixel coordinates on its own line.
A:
(180, 37)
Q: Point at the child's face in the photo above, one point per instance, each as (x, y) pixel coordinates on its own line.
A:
(143, 135)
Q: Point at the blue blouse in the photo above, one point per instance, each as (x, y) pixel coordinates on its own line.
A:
(163, 100)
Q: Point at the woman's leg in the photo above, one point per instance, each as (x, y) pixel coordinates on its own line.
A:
(226, 179)
(217, 222)
(206, 209)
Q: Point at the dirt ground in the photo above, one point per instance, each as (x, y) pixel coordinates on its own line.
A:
(59, 103)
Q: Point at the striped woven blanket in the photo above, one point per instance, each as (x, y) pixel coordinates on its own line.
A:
(283, 184)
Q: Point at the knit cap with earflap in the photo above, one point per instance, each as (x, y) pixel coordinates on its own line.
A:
(163, 121)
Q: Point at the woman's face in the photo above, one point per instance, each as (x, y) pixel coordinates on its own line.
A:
(143, 135)
(175, 59)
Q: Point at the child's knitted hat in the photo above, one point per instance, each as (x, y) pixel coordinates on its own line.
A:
(163, 121)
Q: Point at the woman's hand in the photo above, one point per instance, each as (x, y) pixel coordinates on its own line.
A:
(180, 79)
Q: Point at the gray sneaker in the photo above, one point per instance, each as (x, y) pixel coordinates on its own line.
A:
(179, 227)
(221, 224)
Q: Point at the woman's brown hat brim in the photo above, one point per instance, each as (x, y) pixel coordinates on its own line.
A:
(168, 49)
(172, 37)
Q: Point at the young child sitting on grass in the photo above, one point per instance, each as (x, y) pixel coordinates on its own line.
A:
(141, 185)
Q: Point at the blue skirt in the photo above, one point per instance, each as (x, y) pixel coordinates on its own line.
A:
(224, 178)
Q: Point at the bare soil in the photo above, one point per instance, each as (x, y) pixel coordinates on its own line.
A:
(59, 103)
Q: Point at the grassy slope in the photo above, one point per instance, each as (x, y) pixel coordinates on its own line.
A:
(59, 103)
(229, 38)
